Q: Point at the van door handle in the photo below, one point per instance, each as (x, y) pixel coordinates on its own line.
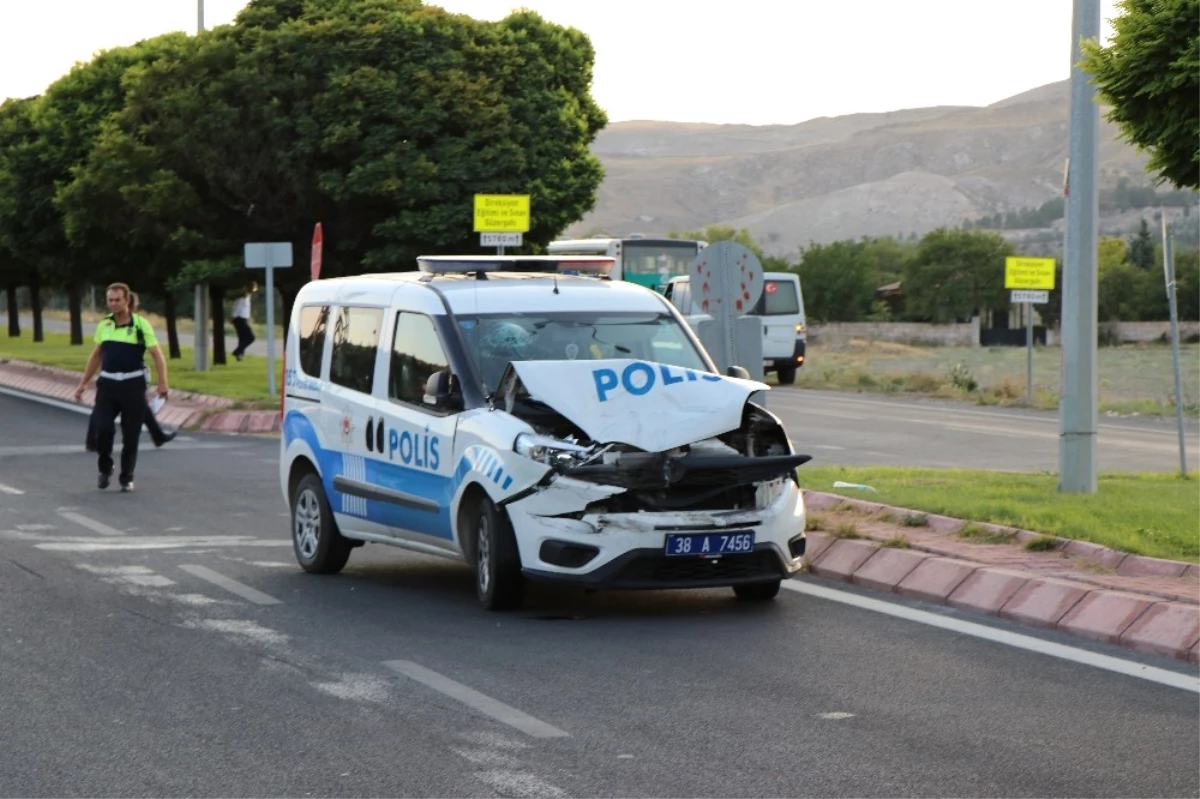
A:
(370, 440)
(378, 435)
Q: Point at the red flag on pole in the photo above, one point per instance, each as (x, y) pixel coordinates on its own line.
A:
(317, 242)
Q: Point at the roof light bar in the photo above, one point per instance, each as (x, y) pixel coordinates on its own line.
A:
(464, 264)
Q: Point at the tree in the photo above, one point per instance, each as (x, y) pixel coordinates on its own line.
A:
(1150, 76)
(1187, 285)
(714, 233)
(956, 274)
(379, 118)
(840, 278)
(1141, 248)
(28, 221)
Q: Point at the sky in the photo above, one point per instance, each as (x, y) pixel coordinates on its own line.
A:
(753, 62)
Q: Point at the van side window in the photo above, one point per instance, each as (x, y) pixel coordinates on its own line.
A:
(314, 319)
(355, 342)
(416, 354)
(778, 298)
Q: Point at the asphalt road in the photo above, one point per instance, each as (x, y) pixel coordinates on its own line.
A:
(165, 643)
(841, 428)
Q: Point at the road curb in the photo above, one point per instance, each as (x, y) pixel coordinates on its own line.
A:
(185, 411)
(1138, 621)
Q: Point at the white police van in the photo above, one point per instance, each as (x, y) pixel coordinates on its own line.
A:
(534, 422)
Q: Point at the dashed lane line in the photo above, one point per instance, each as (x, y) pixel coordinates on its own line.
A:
(91, 524)
(486, 705)
(229, 584)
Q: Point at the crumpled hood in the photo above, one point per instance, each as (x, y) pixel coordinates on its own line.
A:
(651, 406)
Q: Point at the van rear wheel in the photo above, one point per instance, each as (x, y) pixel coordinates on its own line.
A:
(786, 372)
(319, 546)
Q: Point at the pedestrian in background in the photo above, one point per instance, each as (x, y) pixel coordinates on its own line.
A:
(122, 339)
(240, 314)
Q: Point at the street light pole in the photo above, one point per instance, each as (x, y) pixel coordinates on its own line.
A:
(1077, 405)
(200, 312)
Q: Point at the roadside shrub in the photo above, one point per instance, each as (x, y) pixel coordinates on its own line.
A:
(962, 379)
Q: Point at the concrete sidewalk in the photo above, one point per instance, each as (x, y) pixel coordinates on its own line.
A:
(184, 410)
(1076, 587)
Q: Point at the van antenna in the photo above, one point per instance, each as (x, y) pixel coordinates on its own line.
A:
(556, 284)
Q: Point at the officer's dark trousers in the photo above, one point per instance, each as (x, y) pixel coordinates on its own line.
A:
(128, 399)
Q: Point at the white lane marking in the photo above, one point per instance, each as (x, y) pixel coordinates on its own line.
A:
(1129, 668)
(91, 524)
(356, 687)
(230, 585)
(154, 542)
(517, 783)
(66, 406)
(67, 449)
(10, 490)
(239, 629)
(836, 715)
(501, 712)
(132, 575)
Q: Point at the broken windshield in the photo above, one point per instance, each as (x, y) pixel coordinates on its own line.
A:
(493, 341)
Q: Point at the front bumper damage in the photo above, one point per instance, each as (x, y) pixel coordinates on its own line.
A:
(566, 532)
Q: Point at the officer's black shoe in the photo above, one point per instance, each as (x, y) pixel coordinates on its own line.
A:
(167, 436)
(104, 479)
(127, 488)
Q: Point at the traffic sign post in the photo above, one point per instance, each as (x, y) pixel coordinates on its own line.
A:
(501, 219)
(727, 280)
(318, 247)
(269, 256)
(1031, 280)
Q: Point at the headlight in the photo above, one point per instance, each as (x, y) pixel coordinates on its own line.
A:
(549, 451)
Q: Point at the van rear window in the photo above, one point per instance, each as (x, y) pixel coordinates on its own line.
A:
(778, 298)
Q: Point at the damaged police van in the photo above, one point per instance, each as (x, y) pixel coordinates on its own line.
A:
(521, 415)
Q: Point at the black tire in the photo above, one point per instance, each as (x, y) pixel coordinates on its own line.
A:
(319, 546)
(757, 592)
(786, 374)
(498, 580)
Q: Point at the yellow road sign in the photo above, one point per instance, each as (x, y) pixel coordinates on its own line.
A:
(501, 213)
(1028, 273)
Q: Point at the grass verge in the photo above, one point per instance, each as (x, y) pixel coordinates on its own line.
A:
(244, 381)
(1145, 514)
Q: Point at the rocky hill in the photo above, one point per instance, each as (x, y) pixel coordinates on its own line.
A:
(898, 173)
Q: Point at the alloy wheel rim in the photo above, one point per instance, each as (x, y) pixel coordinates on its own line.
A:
(307, 529)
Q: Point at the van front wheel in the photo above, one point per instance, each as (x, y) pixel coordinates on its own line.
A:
(498, 579)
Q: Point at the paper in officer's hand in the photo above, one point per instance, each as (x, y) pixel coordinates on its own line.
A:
(156, 405)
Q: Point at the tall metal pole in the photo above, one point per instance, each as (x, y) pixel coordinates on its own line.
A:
(200, 309)
(1078, 405)
(1029, 354)
(1169, 277)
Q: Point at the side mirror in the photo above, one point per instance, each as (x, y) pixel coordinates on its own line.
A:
(441, 391)
(737, 371)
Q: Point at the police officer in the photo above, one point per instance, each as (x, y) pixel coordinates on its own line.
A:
(122, 339)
